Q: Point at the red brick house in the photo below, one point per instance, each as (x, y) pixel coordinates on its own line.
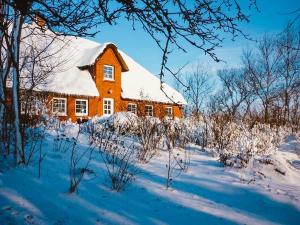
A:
(99, 79)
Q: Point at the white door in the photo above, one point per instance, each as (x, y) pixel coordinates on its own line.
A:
(108, 106)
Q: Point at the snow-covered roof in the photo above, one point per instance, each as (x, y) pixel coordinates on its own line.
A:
(61, 57)
(91, 54)
(70, 79)
(73, 53)
(139, 84)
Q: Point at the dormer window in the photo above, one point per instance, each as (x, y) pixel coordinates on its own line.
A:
(108, 72)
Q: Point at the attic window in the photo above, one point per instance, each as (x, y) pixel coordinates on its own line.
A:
(108, 72)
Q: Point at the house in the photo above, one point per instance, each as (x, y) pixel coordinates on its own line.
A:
(100, 79)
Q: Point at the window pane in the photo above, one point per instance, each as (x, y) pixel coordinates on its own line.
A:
(108, 107)
(81, 106)
(59, 106)
(149, 110)
(169, 112)
(131, 108)
(108, 72)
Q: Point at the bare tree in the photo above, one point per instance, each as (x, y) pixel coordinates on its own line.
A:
(234, 93)
(288, 46)
(4, 71)
(295, 112)
(199, 88)
(263, 73)
(38, 61)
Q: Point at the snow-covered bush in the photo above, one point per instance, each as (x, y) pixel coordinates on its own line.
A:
(80, 158)
(148, 134)
(222, 132)
(68, 138)
(174, 134)
(117, 149)
(298, 136)
(240, 148)
(198, 130)
(247, 142)
(235, 142)
(178, 131)
(65, 133)
(35, 136)
(210, 131)
(32, 130)
(122, 122)
(120, 160)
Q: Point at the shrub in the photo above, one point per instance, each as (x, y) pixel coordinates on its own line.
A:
(148, 134)
(118, 152)
(175, 137)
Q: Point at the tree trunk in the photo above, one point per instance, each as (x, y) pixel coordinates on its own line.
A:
(15, 45)
(3, 139)
(3, 69)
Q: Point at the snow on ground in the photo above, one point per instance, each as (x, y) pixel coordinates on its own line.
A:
(207, 193)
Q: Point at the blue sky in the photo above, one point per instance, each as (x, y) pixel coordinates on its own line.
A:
(143, 49)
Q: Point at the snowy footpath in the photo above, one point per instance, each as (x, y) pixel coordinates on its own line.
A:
(207, 193)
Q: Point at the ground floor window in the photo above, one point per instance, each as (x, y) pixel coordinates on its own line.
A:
(149, 110)
(29, 107)
(59, 106)
(169, 112)
(131, 108)
(81, 107)
(108, 106)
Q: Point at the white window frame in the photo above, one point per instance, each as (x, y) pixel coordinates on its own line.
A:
(113, 73)
(132, 104)
(87, 107)
(169, 107)
(152, 114)
(112, 106)
(60, 113)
